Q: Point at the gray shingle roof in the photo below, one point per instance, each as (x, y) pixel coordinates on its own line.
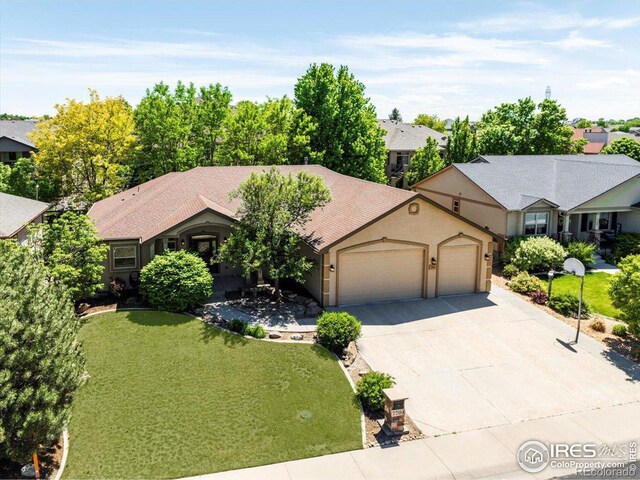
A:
(517, 181)
(407, 136)
(17, 130)
(16, 212)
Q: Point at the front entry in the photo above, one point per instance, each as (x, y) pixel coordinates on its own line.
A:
(206, 247)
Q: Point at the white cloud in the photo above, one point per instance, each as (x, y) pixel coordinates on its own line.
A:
(576, 42)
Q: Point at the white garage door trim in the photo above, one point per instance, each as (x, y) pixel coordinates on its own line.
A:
(441, 266)
(392, 247)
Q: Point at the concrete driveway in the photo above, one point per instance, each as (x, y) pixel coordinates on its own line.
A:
(476, 361)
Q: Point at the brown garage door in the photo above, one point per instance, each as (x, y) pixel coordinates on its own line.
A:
(457, 269)
(380, 275)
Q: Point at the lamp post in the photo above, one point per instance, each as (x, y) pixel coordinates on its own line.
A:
(550, 278)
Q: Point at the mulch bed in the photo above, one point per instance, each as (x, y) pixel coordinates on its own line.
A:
(628, 347)
(48, 461)
(109, 303)
(375, 436)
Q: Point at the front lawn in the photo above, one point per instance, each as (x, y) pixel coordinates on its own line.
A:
(595, 291)
(170, 396)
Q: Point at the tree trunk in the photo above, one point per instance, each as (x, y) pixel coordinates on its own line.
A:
(276, 284)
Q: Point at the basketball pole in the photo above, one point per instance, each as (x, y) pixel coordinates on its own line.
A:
(580, 308)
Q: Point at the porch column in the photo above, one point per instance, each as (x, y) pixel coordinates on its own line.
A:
(596, 228)
(566, 228)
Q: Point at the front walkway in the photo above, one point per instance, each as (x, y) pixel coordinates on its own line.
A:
(601, 266)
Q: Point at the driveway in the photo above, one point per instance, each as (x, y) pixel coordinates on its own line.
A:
(476, 361)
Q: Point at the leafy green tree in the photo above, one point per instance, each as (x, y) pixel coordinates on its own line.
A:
(601, 122)
(5, 171)
(274, 207)
(263, 134)
(395, 115)
(86, 147)
(431, 121)
(176, 281)
(344, 134)
(23, 182)
(178, 130)
(578, 145)
(41, 361)
(523, 128)
(625, 146)
(426, 161)
(461, 144)
(71, 249)
(584, 123)
(624, 291)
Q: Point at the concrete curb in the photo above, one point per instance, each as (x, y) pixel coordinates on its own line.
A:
(65, 454)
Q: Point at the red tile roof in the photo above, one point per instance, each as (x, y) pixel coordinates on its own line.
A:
(146, 211)
(593, 148)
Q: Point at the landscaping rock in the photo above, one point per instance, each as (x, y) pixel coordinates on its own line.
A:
(297, 336)
(300, 300)
(83, 307)
(28, 471)
(199, 312)
(349, 354)
(291, 297)
(275, 335)
(313, 311)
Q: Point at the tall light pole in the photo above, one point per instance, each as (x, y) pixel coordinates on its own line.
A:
(575, 267)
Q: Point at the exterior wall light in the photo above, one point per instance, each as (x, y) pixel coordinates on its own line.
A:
(487, 256)
(433, 261)
(332, 268)
(182, 243)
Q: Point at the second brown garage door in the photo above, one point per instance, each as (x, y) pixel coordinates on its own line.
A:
(374, 276)
(457, 269)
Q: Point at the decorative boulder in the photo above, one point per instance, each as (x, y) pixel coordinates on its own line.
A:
(349, 354)
(313, 311)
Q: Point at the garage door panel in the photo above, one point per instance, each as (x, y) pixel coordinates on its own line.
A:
(380, 275)
(457, 269)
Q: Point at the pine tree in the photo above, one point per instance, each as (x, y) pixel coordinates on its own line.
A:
(41, 362)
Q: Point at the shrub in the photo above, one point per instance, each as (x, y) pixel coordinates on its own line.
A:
(619, 329)
(510, 249)
(175, 281)
(583, 251)
(41, 361)
(536, 254)
(510, 271)
(369, 390)
(336, 329)
(255, 331)
(525, 283)
(624, 291)
(117, 286)
(567, 304)
(626, 244)
(539, 297)
(598, 326)
(236, 325)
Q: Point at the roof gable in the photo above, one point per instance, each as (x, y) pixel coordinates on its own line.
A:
(17, 130)
(407, 136)
(16, 212)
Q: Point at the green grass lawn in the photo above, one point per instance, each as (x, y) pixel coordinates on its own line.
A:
(595, 291)
(170, 396)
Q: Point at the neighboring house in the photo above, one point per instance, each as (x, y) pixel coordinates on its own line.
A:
(599, 138)
(17, 213)
(371, 243)
(402, 140)
(562, 196)
(14, 143)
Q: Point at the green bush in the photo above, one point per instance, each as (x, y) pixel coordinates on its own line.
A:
(567, 304)
(175, 281)
(525, 283)
(236, 325)
(626, 244)
(255, 331)
(619, 329)
(538, 254)
(583, 251)
(624, 291)
(510, 249)
(336, 329)
(369, 390)
(510, 271)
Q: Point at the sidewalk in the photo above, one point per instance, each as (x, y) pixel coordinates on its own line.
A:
(489, 452)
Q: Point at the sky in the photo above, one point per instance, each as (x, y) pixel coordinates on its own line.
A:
(447, 58)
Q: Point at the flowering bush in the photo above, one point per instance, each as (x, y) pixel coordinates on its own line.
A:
(536, 254)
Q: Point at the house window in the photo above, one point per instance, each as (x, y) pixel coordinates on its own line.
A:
(124, 257)
(170, 244)
(402, 159)
(456, 205)
(536, 223)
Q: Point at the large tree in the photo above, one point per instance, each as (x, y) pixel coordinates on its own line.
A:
(41, 362)
(395, 115)
(178, 129)
(624, 146)
(426, 161)
(624, 291)
(86, 147)
(431, 121)
(266, 133)
(22, 180)
(461, 144)
(344, 135)
(523, 128)
(273, 211)
(71, 249)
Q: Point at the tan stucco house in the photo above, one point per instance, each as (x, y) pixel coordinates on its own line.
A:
(371, 243)
(17, 213)
(562, 196)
